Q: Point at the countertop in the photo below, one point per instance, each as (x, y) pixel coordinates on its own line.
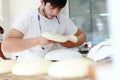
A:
(45, 77)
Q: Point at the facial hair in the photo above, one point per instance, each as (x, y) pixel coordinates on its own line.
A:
(44, 11)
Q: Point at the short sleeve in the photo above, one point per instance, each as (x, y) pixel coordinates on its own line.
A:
(21, 24)
(70, 27)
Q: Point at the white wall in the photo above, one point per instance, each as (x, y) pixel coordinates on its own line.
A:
(18, 7)
(13, 8)
(5, 14)
(0, 12)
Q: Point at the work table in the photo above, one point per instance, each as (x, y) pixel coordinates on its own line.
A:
(45, 77)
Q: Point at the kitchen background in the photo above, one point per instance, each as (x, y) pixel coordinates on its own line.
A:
(89, 15)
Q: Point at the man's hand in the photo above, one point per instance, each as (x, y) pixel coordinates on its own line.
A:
(67, 44)
(44, 41)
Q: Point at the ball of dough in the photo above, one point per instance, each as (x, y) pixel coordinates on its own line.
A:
(6, 66)
(70, 68)
(61, 54)
(32, 67)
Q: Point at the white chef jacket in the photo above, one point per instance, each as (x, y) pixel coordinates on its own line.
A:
(29, 25)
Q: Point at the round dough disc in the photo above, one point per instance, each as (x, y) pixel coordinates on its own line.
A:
(6, 66)
(31, 68)
(59, 38)
(61, 54)
(70, 68)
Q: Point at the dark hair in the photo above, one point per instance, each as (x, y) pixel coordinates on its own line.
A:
(1, 30)
(56, 3)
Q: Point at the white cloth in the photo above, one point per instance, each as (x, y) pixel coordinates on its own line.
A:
(102, 52)
(28, 24)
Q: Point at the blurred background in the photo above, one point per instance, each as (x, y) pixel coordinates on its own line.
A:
(89, 15)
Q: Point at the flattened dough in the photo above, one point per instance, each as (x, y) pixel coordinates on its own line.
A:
(61, 54)
(32, 67)
(6, 66)
(70, 68)
(59, 38)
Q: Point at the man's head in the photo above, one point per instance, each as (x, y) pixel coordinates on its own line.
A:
(51, 8)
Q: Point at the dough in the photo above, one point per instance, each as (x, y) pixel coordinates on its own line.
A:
(72, 38)
(6, 66)
(61, 54)
(32, 67)
(70, 68)
(59, 38)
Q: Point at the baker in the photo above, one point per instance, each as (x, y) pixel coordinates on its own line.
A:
(24, 40)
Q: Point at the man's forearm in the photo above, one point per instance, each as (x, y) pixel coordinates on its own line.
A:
(16, 45)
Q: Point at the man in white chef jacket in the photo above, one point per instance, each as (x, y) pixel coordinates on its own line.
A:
(24, 40)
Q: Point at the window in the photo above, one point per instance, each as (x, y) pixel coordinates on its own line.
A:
(90, 16)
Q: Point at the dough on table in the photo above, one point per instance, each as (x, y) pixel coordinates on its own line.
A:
(32, 67)
(70, 68)
(59, 37)
(61, 54)
(6, 66)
